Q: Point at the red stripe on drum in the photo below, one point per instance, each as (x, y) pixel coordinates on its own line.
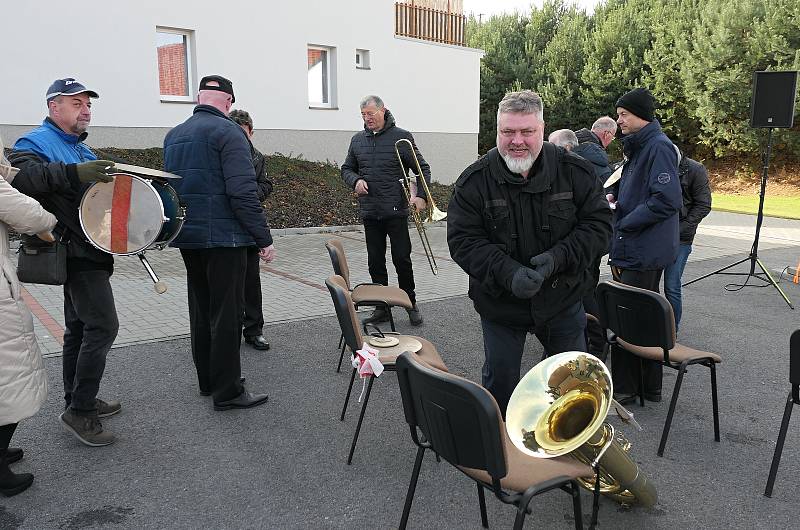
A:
(120, 213)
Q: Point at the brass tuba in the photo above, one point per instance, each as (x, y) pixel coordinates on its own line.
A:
(432, 213)
(559, 407)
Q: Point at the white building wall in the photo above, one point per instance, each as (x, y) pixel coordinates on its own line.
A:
(433, 90)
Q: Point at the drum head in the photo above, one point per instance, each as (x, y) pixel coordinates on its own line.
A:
(121, 217)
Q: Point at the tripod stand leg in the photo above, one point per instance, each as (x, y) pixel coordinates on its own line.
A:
(726, 267)
(776, 458)
(772, 281)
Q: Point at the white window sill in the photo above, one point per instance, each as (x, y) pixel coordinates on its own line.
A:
(322, 107)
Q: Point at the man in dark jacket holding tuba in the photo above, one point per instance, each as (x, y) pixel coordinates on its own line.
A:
(526, 222)
(373, 171)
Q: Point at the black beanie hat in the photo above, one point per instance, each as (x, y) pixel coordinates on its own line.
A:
(639, 101)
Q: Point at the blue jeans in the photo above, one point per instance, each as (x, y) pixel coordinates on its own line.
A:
(672, 281)
(503, 347)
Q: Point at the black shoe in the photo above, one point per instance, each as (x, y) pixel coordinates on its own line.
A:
(625, 399)
(414, 316)
(377, 316)
(258, 342)
(12, 483)
(245, 400)
(14, 454)
(206, 393)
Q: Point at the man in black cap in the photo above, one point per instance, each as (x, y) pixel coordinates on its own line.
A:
(223, 218)
(56, 168)
(645, 239)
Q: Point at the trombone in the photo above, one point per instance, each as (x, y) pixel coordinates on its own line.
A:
(432, 213)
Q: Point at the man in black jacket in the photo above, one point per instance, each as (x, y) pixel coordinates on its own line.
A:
(526, 221)
(373, 171)
(696, 205)
(253, 324)
(592, 145)
(56, 169)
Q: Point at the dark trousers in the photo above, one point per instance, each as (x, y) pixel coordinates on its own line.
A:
(595, 334)
(396, 228)
(6, 432)
(215, 281)
(90, 327)
(624, 365)
(503, 347)
(253, 314)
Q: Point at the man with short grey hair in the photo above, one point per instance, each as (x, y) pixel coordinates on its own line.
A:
(525, 222)
(373, 171)
(563, 138)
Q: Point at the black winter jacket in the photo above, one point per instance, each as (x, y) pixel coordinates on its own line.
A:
(372, 157)
(495, 227)
(696, 197)
(263, 183)
(598, 157)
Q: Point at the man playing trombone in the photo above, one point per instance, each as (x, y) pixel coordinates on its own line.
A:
(374, 172)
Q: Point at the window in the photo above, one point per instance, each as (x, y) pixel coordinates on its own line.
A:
(362, 59)
(321, 77)
(175, 64)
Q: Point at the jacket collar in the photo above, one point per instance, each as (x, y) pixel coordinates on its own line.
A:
(389, 123)
(209, 109)
(633, 142)
(68, 138)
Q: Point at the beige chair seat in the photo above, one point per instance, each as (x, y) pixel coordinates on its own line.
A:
(678, 354)
(525, 470)
(428, 355)
(392, 296)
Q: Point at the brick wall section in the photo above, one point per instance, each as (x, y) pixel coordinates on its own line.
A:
(314, 56)
(172, 71)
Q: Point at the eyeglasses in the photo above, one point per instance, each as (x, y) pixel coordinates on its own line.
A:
(369, 114)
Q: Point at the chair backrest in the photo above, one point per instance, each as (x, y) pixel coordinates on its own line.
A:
(794, 358)
(339, 260)
(636, 315)
(345, 311)
(459, 418)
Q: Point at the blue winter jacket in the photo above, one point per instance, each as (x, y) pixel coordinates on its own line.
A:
(52, 144)
(218, 188)
(648, 201)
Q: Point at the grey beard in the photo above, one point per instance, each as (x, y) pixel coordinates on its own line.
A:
(518, 165)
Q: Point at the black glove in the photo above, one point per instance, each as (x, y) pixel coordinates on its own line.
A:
(95, 171)
(526, 283)
(544, 264)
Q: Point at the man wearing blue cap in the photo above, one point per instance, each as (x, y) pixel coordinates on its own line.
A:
(56, 167)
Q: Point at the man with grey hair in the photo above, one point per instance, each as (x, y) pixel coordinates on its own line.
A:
(526, 221)
(563, 138)
(373, 171)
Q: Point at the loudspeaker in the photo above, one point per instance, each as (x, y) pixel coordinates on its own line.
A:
(773, 99)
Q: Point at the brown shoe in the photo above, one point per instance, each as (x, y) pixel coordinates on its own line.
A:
(107, 408)
(87, 429)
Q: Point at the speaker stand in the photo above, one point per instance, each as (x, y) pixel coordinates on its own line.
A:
(753, 258)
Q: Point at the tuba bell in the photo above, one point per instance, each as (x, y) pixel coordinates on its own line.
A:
(559, 408)
(433, 213)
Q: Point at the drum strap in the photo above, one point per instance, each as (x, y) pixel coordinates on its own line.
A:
(120, 213)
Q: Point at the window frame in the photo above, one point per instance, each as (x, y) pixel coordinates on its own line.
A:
(330, 73)
(191, 82)
(365, 59)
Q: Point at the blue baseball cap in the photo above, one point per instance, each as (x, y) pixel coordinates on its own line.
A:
(68, 87)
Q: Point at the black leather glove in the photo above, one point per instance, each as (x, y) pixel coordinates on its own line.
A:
(95, 171)
(544, 264)
(526, 283)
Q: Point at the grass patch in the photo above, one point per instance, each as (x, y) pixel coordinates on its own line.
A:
(785, 207)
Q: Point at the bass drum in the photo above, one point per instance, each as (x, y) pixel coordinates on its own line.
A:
(130, 215)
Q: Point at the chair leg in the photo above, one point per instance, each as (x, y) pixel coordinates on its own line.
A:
(672, 403)
(482, 504)
(714, 402)
(641, 382)
(519, 520)
(576, 505)
(412, 487)
(341, 356)
(341, 339)
(360, 420)
(391, 317)
(347, 397)
(776, 458)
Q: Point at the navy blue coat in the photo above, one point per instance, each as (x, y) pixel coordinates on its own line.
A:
(648, 201)
(218, 188)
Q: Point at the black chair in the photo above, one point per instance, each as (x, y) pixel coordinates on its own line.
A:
(642, 323)
(794, 398)
(365, 294)
(348, 322)
(460, 421)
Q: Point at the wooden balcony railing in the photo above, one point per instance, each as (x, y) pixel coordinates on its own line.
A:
(429, 24)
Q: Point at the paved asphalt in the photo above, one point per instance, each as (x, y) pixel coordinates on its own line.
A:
(180, 464)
